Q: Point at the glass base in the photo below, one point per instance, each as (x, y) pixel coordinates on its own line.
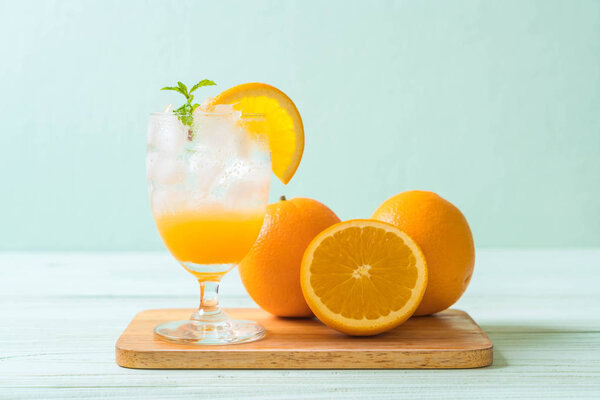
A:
(230, 331)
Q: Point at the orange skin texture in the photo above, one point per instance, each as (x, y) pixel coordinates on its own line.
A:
(271, 269)
(444, 236)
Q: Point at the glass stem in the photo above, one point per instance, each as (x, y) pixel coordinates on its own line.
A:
(209, 310)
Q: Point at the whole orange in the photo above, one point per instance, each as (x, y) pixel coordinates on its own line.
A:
(271, 269)
(443, 234)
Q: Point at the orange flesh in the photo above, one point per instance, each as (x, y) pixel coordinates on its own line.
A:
(363, 277)
(363, 273)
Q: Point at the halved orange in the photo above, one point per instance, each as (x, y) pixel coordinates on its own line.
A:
(283, 122)
(363, 277)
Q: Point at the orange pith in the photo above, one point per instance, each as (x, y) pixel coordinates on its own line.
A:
(283, 123)
(363, 277)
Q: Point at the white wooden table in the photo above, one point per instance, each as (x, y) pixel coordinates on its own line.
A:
(62, 313)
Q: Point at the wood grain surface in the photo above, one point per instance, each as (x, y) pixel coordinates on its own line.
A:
(450, 339)
(62, 314)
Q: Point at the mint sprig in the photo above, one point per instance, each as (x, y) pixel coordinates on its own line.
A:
(184, 113)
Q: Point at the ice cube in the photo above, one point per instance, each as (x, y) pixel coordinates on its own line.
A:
(166, 133)
(247, 193)
(151, 159)
(245, 183)
(223, 109)
(239, 169)
(167, 200)
(213, 132)
(165, 170)
(204, 105)
(203, 169)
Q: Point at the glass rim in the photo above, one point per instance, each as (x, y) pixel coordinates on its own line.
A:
(209, 114)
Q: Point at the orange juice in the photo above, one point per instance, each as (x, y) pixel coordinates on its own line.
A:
(210, 237)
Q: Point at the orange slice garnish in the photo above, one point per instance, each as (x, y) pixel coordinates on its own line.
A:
(283, 123)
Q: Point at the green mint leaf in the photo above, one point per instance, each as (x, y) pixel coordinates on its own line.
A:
(183, 88)
(203, 82)
(176, 89)
(182, 110)
(184, 113)
(187, 119)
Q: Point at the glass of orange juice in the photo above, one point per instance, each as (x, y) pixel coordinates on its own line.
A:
(209, 187)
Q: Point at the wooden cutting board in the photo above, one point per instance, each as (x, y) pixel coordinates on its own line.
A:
(450, 339)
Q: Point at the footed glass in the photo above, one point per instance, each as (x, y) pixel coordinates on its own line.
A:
(209, 188)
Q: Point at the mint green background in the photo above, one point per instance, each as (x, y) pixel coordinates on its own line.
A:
(495, 105)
